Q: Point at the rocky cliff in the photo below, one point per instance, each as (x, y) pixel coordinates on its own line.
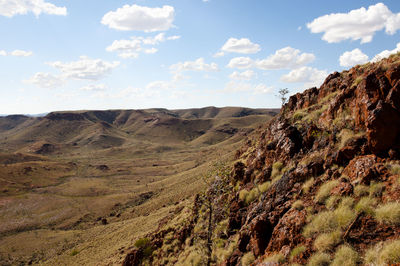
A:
(319, 184)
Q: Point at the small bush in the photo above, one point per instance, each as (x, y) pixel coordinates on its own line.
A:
(277, 258)
(298, 205)
(243, 194)
(298, 115)
(297, 251)
(366, 205)
(74, 252)
(376, 189)
(390, 253)
(141, 243)
(389, 213)
(344, 216)
(357, 81)
(276, 170)
(347, 202)
(361, 190)
(264, 186)
(323, 222)
(252, 195)
(383, 253)
(248, 258)
(325, 191)
(394, 169)
(327, 241)
(319, 259)
(345, 256)
(307, 185)
(332, 202)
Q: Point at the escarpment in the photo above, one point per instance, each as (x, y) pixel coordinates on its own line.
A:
(319, 184)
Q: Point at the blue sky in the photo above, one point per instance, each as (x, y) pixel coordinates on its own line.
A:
(94, 54)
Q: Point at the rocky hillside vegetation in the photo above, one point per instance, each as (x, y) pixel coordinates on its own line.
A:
(318, 185)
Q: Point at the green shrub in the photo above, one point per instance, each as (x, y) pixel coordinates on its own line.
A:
(298, 205)
(298, 115)
(264, 186)
(277, 258)
(319, 259)
(332, 202)
(307, 185)
(276, 169)
(248, 258)
(243, 194)
(325, 191)
(383, 253)
(376, 189)
(344, 216)
(74, 252)
(252, 195)
(347, 202)
(389, 213)
(323, 222)
(297, 251)
(361, 190)
(366, 205)
(390, 253)
(142, 242)
(346, 256)
(328, 241)
(357, 81)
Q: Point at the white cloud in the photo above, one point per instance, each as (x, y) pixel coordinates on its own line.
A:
(311, 77)
(233, 86)
(10, 8)
(245, 75)
(352, 58)
(358, 24)
(197, 65)
(94, 87)
(3, 53)
(140, 18)
(285, 58)
(241, 62)
(21, 53)
(241, 46)
(133, 47)
(45, 80)
(157, 85)
(386, 53)
(85, 68)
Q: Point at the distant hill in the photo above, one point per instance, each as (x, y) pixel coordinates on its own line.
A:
(111, 128)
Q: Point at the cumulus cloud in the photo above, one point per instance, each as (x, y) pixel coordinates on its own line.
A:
(94, 87)
(140, 18)
(45, 80)
(352, 58)
(136, 45)
(10, 8)
(285, 58)
(3, 53)
(197, 65)
(241, 46)
(241, 62)
(358, 24)
(245, 75)
(386, 53)
(21, 53)
(85, 68)
(233, 86)
(311, 77)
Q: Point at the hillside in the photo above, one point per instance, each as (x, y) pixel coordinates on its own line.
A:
(318, 185)
(88, 183)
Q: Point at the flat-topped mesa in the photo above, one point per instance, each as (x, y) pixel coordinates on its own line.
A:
(56, 116)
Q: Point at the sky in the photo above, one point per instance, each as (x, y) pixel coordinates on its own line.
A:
(99, 54)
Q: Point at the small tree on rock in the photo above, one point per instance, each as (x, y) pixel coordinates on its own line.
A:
(282, 95)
